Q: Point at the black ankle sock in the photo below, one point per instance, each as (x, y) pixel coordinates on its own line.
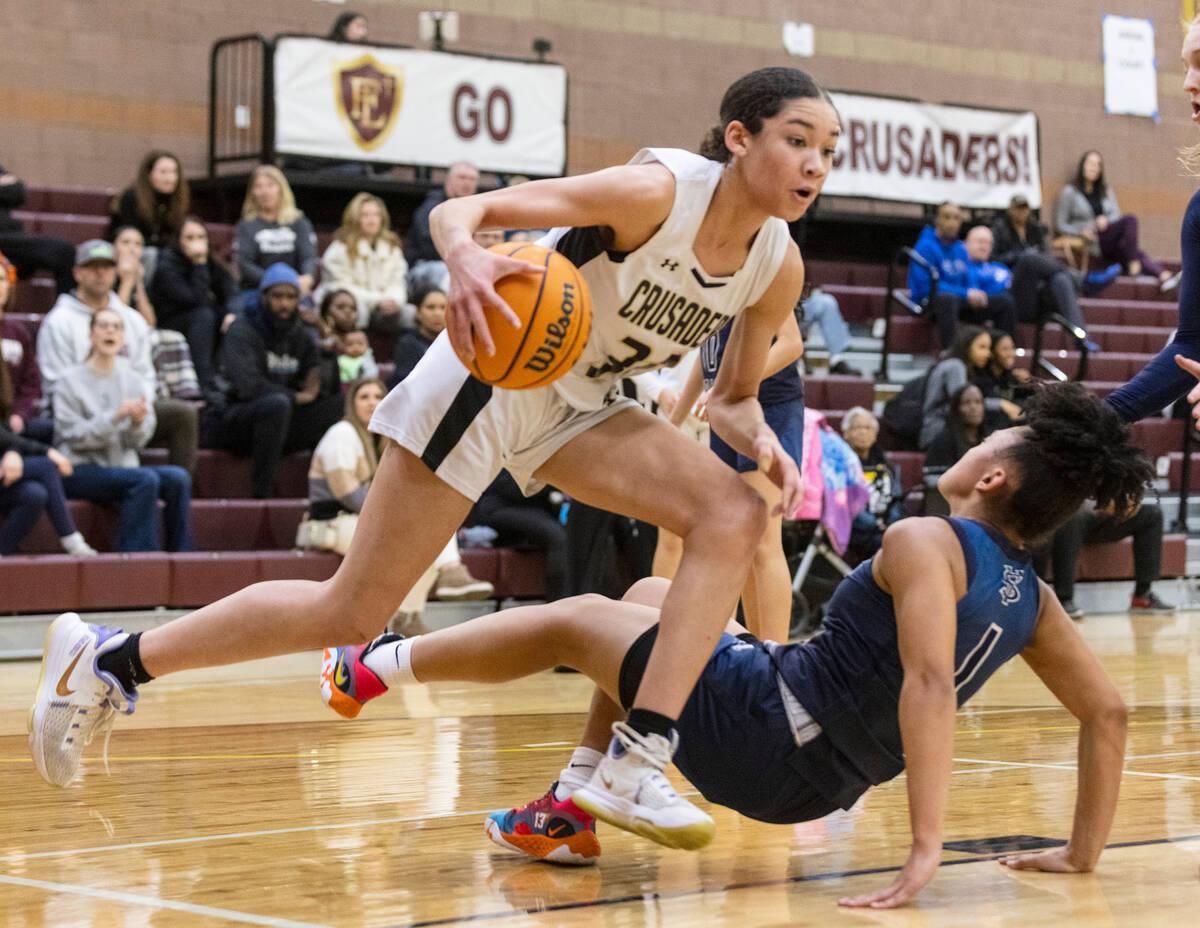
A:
(125, 663)
(649, 722)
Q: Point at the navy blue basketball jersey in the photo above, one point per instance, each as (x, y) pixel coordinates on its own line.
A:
(781, 387)
(849, 675)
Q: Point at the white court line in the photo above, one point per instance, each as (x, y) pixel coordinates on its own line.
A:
(133, 899)
(1156, 756)
(199, 839)
(1128, 773)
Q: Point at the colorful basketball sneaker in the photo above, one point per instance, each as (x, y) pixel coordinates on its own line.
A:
(547, 829)
(629, 790)
(346, 682)
(76, 700)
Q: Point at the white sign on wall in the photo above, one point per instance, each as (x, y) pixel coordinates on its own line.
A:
(408, 106)
(929, 153)
(1130, 68)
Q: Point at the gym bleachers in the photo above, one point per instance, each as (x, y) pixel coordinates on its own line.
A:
(242, 540)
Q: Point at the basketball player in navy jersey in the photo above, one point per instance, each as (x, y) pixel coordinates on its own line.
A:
(788, 733)
(1177, 367)
(672, 246)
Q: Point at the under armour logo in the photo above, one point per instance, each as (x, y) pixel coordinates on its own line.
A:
(669, 264)
(1009, 591)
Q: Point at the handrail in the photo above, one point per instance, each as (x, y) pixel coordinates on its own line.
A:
(903, 297)
(1081, 342)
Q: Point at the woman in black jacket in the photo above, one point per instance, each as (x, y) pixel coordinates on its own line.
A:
(190, 292)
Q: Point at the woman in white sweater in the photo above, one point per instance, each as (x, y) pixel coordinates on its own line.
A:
(365, 258)
(103, 414)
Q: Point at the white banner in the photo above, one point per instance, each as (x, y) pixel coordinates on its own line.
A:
(928, 153)
(406, 106)
(1130, 78)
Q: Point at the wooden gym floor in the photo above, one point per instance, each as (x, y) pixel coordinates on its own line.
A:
(234, 797)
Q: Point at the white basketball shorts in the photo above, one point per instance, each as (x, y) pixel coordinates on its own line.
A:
(466, 431)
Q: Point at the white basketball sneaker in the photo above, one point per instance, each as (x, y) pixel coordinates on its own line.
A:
(629, 790)
(76, 701)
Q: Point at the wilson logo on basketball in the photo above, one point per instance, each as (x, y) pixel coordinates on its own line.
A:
(556, 333)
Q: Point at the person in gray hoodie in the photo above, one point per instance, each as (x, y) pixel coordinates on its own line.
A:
(103, 414)
(64, 340)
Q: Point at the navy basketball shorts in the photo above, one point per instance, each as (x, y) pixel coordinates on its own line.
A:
(735, 745)
(786, 421)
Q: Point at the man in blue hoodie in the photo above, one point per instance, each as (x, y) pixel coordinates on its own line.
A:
(270, 372)
(968, 288)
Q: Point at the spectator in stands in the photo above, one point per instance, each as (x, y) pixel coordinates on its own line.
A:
(965, 362)
(462, 180)
(19, 363)
(1001, 378)
(349, 27)
(273, 400)
(966, 426)
(528, 520)
(64, 340)
(103, 414)
(31, 471)
(155, 205)
(356, 359)
(964, 287)
(30, 253)
(860, 428)
(1091, 526)
(365, 258)
(1087, 207)
(412, 343)
(130, 287)
(191, 292)
(822, 309)
(272, 230)
(1041, 285)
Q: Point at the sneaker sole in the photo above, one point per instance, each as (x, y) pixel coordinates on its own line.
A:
(683, 837)
(33, 717)
(579, 850)
(346, 706)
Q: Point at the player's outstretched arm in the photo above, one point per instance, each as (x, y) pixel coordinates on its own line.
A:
(733, 409)
(921, 565)
(1059, 655)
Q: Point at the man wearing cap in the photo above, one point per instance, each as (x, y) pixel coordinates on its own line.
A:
(63, 341)
(1041, 284)
(270, 368)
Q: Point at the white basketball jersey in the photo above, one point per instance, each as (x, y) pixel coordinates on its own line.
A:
(653, 305)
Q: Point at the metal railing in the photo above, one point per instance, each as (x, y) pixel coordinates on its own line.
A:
(241, 112)
(897, 294)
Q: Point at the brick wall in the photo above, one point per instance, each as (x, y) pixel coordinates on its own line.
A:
(87, 87)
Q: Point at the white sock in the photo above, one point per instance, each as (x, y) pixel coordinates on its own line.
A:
(577, 772)
(392, 662)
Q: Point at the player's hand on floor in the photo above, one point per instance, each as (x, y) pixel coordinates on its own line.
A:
(1052, 860)
(918, 870)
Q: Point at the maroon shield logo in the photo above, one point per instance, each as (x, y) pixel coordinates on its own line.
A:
(368, 98)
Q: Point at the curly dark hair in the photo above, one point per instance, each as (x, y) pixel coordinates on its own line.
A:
(1074, 448)
(757, 96)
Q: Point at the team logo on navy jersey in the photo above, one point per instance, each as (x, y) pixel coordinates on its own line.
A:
(1010, 591)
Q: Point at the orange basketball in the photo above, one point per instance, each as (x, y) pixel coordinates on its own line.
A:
(556, 318)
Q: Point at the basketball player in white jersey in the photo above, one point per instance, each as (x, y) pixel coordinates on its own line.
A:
(672, 245)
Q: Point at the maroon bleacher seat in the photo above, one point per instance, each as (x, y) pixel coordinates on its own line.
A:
(1114, 561)
(911, 465)
(1157, 436)
(39, 583)
(35, 296)
(856, 303)
(838, 392)
(67, 226)
(522, 572)
(70, 200)
(221, 475)
(200, 578)
(124, 581)
(297, 565)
